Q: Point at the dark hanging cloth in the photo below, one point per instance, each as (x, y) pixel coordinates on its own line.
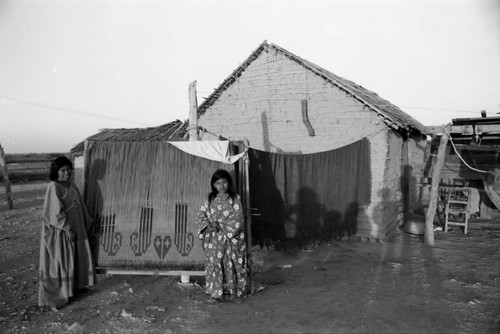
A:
(308, 196)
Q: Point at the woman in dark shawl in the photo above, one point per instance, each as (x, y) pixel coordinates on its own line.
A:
(66, 262)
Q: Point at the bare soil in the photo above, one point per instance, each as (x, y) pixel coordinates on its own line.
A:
(348, 286)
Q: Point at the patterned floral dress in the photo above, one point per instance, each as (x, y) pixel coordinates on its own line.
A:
(225, 248)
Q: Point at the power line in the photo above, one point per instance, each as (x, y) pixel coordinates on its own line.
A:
(89, 114)
(68, 110)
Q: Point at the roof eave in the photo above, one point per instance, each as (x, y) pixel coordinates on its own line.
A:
(390, 121)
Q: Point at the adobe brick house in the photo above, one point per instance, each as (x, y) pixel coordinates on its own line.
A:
(282, 103)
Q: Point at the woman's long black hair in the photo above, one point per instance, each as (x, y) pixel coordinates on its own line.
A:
(57, 164)
(221, 174)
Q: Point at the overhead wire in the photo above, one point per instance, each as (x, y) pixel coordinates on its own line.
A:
(68, 110)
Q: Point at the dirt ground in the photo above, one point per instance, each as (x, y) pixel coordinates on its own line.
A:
(346, 286)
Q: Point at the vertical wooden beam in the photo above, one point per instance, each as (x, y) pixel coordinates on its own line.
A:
(434, 195)
(248, 218)
(6, 180)
(193, 112)
(86, 166)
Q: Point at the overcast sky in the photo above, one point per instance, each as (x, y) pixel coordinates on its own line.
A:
(71, 67)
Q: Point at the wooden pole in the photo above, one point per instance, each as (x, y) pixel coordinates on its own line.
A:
(246, 170)
(86, 166)
(434, 196)
(193, 112)
(6, 180)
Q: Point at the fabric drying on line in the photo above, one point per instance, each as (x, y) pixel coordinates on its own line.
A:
(211, 150)
(308, 195)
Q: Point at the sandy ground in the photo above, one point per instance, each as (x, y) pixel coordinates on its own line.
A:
(346, 286)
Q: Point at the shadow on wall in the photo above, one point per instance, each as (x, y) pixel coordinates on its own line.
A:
(415, 205)
(412, 190)
(383, 217)
(94, 202)
(405, 187)
(268, 222)
(266, 143)
(308, 221)
(265, 132)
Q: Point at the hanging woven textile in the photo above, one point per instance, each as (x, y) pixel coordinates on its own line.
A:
(307, 197)
(143, 197)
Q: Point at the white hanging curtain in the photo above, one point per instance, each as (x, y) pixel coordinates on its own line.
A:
(212, 150)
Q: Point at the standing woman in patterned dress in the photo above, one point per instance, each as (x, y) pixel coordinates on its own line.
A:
(221, 229)
(66, 262)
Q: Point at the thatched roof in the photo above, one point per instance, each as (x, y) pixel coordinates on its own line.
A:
(173, 131)
(392, 115)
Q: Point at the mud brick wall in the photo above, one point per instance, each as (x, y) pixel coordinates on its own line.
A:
(264, 106)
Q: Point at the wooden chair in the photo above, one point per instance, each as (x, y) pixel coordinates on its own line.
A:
(457, 207)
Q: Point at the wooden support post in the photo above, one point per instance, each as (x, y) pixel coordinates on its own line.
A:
(248, 218)
(193, 112)
(86, 166)
(434, 195)
(6, 180)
